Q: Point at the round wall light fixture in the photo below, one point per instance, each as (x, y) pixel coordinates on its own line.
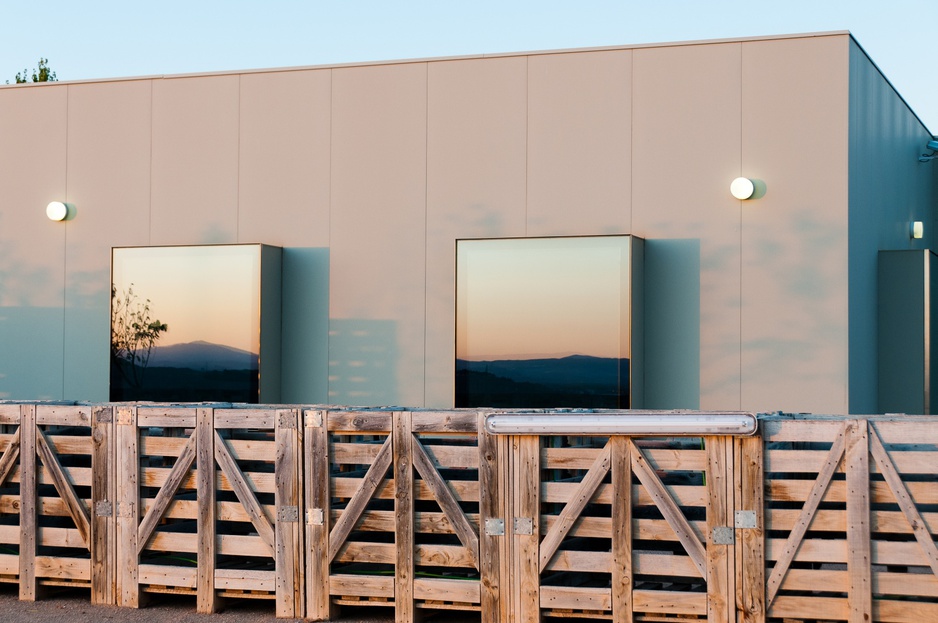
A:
(57, 211)
(742, 188)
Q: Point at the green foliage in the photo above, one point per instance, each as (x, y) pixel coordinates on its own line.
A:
(40, 74)
(133, 334)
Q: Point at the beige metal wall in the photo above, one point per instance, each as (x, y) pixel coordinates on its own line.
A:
(367, 175)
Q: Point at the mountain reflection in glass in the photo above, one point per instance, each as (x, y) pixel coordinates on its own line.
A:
(186, 323)
(543, 322)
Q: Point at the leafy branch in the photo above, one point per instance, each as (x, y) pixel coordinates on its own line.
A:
(133, 335)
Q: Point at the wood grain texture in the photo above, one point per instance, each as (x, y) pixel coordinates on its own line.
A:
(403, 518)
(859, 561)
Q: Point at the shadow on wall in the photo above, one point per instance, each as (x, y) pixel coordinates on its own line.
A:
(362, 356)
(304, 368)
(31, 353)
(672, 324)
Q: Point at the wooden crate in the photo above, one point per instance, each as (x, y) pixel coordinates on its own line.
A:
(850, 519)
(396, 521)
(57, 521)
(209, 505)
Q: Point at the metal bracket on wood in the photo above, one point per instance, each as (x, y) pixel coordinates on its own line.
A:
(287, 419)
(103, 508)
(125, 417)
(288, 514)
(315, 517)
(724, 535)
(524, 525)
(313, 419)
(125, 509)
(745, 519)
(494, 527)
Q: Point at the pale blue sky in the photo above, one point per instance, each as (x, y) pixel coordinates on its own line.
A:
(101, 39)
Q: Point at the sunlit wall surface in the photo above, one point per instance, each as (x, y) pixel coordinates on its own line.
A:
(190, 323)
(544, 322)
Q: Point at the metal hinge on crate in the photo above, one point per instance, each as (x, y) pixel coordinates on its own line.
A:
(725, 535)
(288, 514)
(524, 525)
(494, 527)
(103, 508)
(315, 517)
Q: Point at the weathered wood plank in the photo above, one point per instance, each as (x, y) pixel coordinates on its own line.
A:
(438, 589)
(206, 597)
(28, 524)
(622, 568)
(444, 497)
(361, 585)
(287, 558)
(165, 575)
(359, 422)
(718, 555)
(663, 459)
(245, 418)
(163, 417)
(316, 482)
(445, 422)
(127, 508)
(463, 490)
(750, 549)
(63, 415)
(527, 490)
(404, 518)
(102, 502)
(856, 464)
(669, 509)
(490, 507)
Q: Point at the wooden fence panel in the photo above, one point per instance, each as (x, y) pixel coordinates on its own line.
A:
(65, 492)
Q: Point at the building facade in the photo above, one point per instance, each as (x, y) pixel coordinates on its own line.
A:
(367, 175)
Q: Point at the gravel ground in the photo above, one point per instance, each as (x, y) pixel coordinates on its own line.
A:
(74, 607)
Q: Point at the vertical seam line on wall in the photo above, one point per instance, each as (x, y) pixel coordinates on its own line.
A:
(527, 135)
(329, 240)
(426, 220)
(238, 169)
(740, 207)
(65, 250)
(150, 177)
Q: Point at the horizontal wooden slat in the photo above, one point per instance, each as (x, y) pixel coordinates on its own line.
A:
(354, 453)
(63, 415)
(445, 421)
(161, 417)
(165, 575)
(684, 495)
(9, 564)
(70, 444)
(60, 537)
(669, 602)
(797, 491)
(9, 414)
(464, 591)
(63, 568)
(575, 598)
(261, 482)
(464, 457)
(361, 585)
(463, 490)
(424, 522)
(809, 607)
(810, 461)
(245, 580)
(892, 522)
(801, 430)
(245, 418)
(358, 421)
(664, 459)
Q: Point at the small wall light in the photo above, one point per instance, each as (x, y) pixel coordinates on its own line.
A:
(58, 211)
(742, 188)
(917, 230)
